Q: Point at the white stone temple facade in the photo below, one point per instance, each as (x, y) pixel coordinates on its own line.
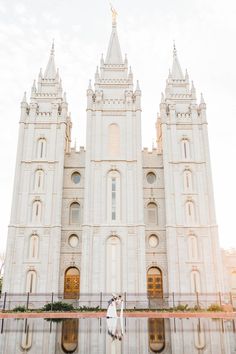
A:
(113, 217)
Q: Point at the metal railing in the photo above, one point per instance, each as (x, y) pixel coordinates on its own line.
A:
(8, 301)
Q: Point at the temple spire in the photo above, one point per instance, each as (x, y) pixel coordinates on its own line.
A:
(114, 53)
(50, 72)
(176, 68)
(114, 15)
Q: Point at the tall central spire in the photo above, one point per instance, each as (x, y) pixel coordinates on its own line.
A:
(50, 72)
(176, 68)
(114, 55)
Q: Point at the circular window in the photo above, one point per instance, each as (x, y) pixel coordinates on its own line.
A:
(153, 241)
(73, 241)
(151, 177)
(76, 177)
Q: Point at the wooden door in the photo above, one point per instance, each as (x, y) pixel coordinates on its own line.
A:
(154, 283)
(72, 284)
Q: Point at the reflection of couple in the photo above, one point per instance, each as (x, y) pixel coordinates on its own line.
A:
(115, 323)
(112, 306)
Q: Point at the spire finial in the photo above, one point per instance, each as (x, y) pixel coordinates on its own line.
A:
(114, 14)
(102, 60)
(202, 99)
(174, 49)
(51, 72)
(24, 98)
(53, 47)
(137, 86)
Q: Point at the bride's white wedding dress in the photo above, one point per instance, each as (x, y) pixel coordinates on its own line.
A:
(111, 310)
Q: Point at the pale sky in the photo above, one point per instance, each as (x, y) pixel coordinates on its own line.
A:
(204, 32)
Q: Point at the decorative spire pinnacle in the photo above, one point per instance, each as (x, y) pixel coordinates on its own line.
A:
(33, 89)
(102, 60)
(202, 101)
(52, 49)
(162, 98)
(90, 85)
(174, 50)
(126, 60)
(64, 97)
(176, 68)
(24, 100)
(186, 75)
(130, 72)
(114, 53)
(137, 86)
(40, 73)
(50, 72)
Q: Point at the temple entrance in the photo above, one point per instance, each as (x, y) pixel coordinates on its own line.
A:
(154, 283)
(72, 283)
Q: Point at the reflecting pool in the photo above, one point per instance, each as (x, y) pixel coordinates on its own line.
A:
(116, 336)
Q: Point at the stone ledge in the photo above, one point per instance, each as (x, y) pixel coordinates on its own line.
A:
(148, 314)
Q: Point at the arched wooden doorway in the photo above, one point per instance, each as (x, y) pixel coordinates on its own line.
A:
(69, 335)
(154, 283)
(71, 283)
(156, 334)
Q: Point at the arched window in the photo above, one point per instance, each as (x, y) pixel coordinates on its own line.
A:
(193, 247)
(199, 335)
(113, 193)
(41, 148)
(156, 334)
(185, 146)
(195, 282)
(152, 213)
(233, 280)
(154, 283)
(31, 279)
(114, 140)
(113, 265)
(27, 334)
(36, 212)
(38, 180)
(190, 212)
(188, 182)
(75, 213)
(34, 247)
(72, 283)
(69, 335)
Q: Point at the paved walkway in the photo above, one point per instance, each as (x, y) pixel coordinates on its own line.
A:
(148, 314)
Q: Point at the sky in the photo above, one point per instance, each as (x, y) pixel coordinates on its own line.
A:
(204, 32)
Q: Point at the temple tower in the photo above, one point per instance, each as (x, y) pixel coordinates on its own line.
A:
(113, 248)
(33, 249)
(191, 232)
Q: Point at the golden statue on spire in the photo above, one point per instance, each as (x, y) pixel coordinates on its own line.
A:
(114, 14)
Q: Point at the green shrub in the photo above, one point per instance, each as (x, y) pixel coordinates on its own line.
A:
(19, 309)
(215, 308)
(58, 306)
(87, 308)
(181, 308)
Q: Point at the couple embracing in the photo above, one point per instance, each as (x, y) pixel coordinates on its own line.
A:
(113, 305)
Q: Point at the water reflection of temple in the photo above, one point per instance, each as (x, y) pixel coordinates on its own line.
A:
(141, 336)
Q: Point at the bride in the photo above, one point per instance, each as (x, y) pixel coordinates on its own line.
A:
(111, 310)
